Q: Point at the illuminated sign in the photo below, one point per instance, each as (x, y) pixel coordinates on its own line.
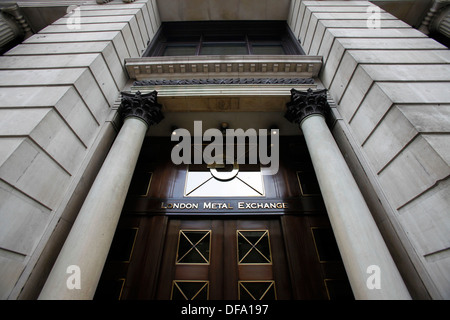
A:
(239, 205)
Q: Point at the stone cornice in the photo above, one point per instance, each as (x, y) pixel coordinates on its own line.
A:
(223, 67)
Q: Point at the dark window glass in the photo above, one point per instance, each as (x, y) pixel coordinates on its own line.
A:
(224, 38)
(224, 49)
(262, 49)
(183, 38)
(180, 50)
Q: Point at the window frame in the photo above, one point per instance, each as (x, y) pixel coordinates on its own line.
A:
(199, 33)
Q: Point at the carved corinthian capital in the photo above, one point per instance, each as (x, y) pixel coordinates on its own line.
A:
(143, 106)
(306, 103)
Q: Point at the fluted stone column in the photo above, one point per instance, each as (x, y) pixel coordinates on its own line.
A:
(370, 268)
(86, 248)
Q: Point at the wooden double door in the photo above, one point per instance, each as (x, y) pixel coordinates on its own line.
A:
(224, 259)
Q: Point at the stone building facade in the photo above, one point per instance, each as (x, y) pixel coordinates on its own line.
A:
(387, 85)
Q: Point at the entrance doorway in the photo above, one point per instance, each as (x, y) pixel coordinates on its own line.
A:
(253, 248)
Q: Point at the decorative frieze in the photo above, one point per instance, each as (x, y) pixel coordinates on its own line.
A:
(185, 82)
(306, 103)
(143, 106)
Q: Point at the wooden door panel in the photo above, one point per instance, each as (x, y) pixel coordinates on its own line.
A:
(223, 272)
(216, 270)
(192, 273)
(280, 261)
(230, 286)
(166, 273)
(255, 272)
(173, 271)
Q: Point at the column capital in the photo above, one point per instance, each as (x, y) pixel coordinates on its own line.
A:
(306, 103)
(142, 106)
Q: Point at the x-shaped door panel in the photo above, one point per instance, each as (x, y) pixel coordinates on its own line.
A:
(254, 247)
(193, 247)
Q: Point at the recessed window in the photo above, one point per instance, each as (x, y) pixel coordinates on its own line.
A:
(224, 38)
(268, 49)
(224, 49)
(180, 50)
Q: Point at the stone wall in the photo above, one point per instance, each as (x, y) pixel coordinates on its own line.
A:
(391, 85)
(56, 93)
